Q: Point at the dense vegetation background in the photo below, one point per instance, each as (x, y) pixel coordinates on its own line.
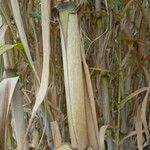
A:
(75, 74)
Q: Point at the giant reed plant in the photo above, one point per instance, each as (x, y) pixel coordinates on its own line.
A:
(75, 74)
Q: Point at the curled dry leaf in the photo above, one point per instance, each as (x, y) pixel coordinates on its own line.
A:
(18, 118)
(90, 107)
(102, 133)
(7, 87)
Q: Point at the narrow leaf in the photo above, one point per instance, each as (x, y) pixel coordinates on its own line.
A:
(19, 23)
(6, 47)
(135, 93)
(45, 8)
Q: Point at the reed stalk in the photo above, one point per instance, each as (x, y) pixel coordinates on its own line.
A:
(71, 50)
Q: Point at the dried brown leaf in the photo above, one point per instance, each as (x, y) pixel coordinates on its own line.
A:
(90, 108)
(102, 136)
